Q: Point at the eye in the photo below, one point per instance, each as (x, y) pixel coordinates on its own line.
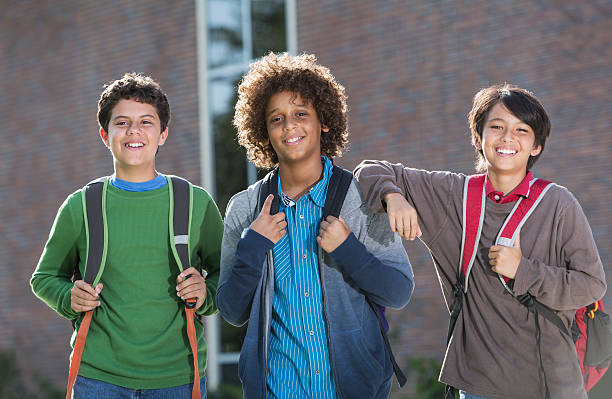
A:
(300, 114)
(120, 123)
(496, 127)
(275, 119)
(523, 130)
(146, 122)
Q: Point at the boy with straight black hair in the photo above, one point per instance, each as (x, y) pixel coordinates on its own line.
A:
(499, 347)
(301, 282)
(138, 336)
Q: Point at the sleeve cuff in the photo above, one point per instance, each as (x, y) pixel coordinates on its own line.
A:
(521, 279)
(351, 254)
(253, 244)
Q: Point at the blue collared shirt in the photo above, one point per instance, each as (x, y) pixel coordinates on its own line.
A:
(298, 357)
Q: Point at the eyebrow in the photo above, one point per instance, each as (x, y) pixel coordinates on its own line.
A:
(276, 109)
(127, 117)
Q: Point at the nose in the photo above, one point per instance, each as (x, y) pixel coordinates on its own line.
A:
(507, 136)
(289, 125)
(133, 128)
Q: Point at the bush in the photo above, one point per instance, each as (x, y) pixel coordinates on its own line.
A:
(13, 386)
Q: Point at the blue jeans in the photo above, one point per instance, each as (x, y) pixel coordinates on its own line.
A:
(465, 395)
(87, 388)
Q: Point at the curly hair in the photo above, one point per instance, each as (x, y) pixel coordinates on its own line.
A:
(301, 74)
(133, 86)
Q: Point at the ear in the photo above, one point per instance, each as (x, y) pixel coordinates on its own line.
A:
(104, 137)
(536, 150)
(163, 136)
(324, 128)
(476, 143)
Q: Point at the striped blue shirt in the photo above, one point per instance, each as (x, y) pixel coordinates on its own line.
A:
(298, 357)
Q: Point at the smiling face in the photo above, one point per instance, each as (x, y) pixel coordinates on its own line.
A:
(294, 129)
(133, 138)
(507, 143)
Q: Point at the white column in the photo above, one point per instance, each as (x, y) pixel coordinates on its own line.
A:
(207, 173)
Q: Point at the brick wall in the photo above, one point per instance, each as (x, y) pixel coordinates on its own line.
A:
(56, 56)
(411, 70)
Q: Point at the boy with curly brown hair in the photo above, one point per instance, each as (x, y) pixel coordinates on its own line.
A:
(299, 281)
(137, 343)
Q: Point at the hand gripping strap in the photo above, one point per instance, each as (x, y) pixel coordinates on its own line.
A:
(518, 216)
(181, 200)
(93, 198)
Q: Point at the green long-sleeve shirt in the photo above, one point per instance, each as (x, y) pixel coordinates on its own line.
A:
(137, 338)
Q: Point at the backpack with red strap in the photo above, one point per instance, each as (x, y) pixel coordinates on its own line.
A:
(591, 329)
(96, 235)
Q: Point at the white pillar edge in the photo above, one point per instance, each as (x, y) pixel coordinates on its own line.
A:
(207, 174)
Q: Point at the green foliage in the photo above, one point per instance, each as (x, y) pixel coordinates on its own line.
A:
(226, 391)
(424, 375)
(13, 385)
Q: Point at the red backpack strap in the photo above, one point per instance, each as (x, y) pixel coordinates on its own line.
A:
(474, 196)
(523, 208)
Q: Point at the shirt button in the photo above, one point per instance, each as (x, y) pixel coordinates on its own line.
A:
(304, 256)
(301, 216)
(306, 294)
(311, 332)
(316, 372)
(497, 197)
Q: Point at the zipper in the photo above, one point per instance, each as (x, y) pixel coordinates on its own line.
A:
(329, 342)
(269, 265)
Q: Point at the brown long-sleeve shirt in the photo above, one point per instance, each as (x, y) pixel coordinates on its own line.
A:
(493, 352)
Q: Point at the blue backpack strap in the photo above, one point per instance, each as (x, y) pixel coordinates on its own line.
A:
(269, 185)
(339, 184)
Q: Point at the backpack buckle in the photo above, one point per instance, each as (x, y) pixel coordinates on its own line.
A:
(592, 309)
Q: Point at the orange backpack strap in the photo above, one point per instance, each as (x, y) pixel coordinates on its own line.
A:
(180, 211)
(94, 214)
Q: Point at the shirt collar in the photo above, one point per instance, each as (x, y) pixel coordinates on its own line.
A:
(522, 190)
(318, 192)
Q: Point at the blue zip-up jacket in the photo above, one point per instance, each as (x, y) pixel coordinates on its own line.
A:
(371, 261)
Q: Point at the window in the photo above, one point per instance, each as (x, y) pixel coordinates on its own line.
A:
(235, 32)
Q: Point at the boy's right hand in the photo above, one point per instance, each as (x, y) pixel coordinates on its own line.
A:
(270, 226)
(402, 216)
(83, 297)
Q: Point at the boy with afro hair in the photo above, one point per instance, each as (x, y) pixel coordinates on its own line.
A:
(299, 281)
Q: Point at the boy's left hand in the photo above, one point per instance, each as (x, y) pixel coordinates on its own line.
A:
(332, 233)
(192, 287)
(506, 260)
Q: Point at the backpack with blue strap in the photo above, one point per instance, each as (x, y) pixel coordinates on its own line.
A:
(337, 188)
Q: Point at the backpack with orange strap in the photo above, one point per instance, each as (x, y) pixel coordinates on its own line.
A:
(591, 329)
(96, 235)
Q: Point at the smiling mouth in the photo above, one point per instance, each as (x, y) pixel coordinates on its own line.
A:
(506, 152)
(293, 140)
(134, 146)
